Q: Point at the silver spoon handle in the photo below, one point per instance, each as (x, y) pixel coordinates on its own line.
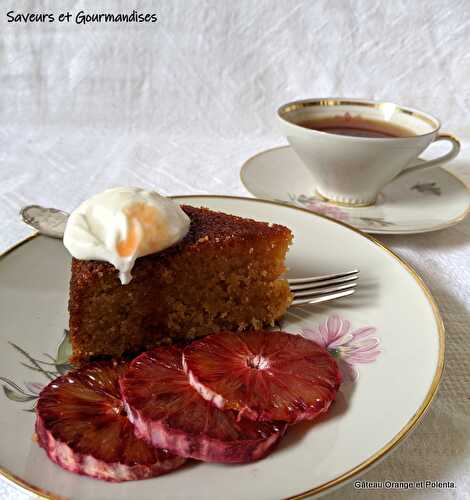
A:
(47, 221)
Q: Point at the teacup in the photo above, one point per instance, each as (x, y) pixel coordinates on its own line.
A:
(354, 147)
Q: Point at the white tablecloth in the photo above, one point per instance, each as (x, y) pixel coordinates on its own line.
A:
(178, 105)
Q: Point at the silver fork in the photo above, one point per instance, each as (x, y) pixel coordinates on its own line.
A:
(322, 288)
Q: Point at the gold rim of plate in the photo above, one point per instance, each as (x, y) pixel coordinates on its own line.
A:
(406, 429)
(449, 223)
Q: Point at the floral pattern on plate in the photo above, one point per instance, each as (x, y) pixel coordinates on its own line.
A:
(349, 347)
(51, 369)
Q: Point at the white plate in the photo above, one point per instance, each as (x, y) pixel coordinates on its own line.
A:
(418, 202)
(371, 414)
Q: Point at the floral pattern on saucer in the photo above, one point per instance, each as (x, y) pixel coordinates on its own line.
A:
(322, 207)
(427, 188)
(315, 205)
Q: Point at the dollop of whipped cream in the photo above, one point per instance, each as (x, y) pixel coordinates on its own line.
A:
(124, 223)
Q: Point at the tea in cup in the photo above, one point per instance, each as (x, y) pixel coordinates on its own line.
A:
(354, 147)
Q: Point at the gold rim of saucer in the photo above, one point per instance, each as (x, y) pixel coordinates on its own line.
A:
(345, 203)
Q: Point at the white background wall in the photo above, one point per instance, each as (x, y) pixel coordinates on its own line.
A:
(224, 66)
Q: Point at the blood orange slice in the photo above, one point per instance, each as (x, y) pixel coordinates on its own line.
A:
(169, 413)
(263, 375)
(82, 425)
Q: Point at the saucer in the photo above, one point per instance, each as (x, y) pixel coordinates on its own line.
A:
(418, 202)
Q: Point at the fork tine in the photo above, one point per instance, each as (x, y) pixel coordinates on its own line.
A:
(294, 281)
(319, 284)
(322, 298)
(324, 290)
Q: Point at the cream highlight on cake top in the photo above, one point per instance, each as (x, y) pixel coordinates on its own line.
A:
(124, 223)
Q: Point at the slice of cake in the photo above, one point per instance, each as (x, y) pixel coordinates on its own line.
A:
(223, 275)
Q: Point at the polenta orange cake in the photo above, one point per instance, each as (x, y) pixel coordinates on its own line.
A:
(223, 274)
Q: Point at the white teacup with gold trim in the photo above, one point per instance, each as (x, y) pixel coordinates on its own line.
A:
(354, 147)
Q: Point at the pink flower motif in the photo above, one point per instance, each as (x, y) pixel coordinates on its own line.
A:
(348, 347)
(326, 209)
(34, 387)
